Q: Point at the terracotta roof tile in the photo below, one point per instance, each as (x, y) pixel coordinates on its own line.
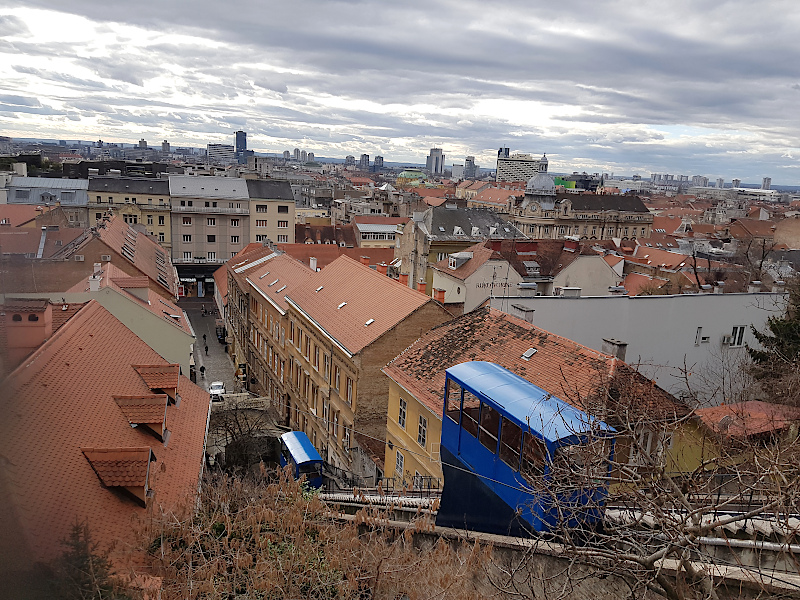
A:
(146, 409)
(327, 253)
(352, 294)
(566, 369)
(278, 277)
(126, 467)
(159, 376)
(481, 254)
(17, 214)
(746, 419)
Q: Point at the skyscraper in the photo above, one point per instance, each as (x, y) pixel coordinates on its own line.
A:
(287, 155)
(766, 183)
(435, 162)
(720, 183)
(736, 183)
(363, 164)
(241, 142)
(165, 147)
(378, 163)
(470, 168)
(311, 157)
(297, 153)
(303, 156)
(518, 167)
(349, 161)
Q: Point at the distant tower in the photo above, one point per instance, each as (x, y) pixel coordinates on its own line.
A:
(363, 164)
(142, 144)
(736, 183)
(766, 183)
(297, 153)
(435, 162)
(241, 142)
(303, 156)
(720, 183)
(287, 155)
(503, 152)
(349, 161)
(99, 143)
(165, 147)
(378, 163)
(470, 169)
(311, 157)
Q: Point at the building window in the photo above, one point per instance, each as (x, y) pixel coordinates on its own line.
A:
(161, 219)
(98, 216)
(187, 220)
(283, 239)
(422, 431)
(261, 222)
(234, 239)
(161, 237)
(346, 437)
(262, 208)
(211, 221)
(262, 238)
(283, 224)
(737, 335)
(187, 256)
(316, 357)
(336, 425)
(211, 238)
(441, 256)
(336, 376)
(130, 219)
(234, 222)
(349, 391)
(401, 413)
(283, 209)
(212, 256)
(326, 361)
(398, 465)
(187, 238)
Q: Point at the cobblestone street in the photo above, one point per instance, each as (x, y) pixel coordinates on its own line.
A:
(217, 363)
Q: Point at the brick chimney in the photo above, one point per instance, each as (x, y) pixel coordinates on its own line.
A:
(438, 295)
(383, 268)
(28, 324)
(422, 286)
(364, 260)
(615, 348)
(403, 279)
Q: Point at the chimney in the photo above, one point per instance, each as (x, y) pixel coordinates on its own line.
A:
(421, 286)
(615, 348)
(403, 279)
(527, 288)
(720, 287)
(312, 262)
(571, 292)
(94, 283)
(617, 290)
(29, 323)
(778, 287)
(754, 287)
(526, 312)
(383, 268)
(438, 295)
(98, 269)
(364, 260)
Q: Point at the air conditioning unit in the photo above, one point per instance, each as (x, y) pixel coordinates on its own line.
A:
(79, 257)
(105, 257)
(727, 340)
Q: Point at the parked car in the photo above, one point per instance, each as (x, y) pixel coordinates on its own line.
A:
(217, 389)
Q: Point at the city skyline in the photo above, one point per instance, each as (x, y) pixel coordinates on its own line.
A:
(669, 89)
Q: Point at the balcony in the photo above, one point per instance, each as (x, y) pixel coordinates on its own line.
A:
(213, 210)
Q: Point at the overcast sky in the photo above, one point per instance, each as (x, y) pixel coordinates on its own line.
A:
(682, 87)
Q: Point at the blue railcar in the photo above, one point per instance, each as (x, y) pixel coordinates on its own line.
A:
(299, 453)
(501, 437)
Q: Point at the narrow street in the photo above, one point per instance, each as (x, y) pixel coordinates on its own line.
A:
(217, 363)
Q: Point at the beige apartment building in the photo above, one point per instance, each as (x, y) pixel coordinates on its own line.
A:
(134, 200)
(272, 211)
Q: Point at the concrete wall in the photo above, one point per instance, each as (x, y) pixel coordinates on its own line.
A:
(661, 331)
(494, 277)
(590, 273)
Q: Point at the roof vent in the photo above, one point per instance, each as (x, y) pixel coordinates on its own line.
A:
(264, 275)
(273, 283)
(368, 323)
(528, 353)
(341, 305)
(279, 290)
(318, 289)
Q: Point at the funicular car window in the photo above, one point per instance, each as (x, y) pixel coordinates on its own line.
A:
(534, 456)
(453, 400)
(471, 409)
(510, 442)
(490, 425)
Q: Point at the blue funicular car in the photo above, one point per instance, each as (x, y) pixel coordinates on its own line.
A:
(502, 437)
(299, 454)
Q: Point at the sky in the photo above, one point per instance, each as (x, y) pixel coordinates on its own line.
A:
(683, 87)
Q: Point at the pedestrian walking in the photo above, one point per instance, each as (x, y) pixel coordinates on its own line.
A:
(202, 371)
(204, 338)
(206, 350)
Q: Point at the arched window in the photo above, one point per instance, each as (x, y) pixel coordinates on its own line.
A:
(16, 318)
(33, 317)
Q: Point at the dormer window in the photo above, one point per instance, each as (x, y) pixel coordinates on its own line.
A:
(457, 230)
(453, 263)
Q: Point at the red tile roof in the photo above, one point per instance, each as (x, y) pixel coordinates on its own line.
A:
(26, 241)
(277, 278)
(159, 376)
(746, 419)
(17, 214)
(481, 254)
(635, 283)
(126, 467)
(149, 408)
(350, 295)
(327, 253)
(560, 366)
(655, 257)
(495, 197)
(59, 402)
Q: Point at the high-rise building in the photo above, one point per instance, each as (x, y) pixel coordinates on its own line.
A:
(470, 168)
(457, 172)
(349, 161)
(363, 164)
(435, 162)
(297, 153)
(287, 155)
(766, 183)
(311, 157)
(519, 167)
(142, 144)
(720, 182)
(165, 147)
(303, 156)
(735, 183)
(241, 142)
(699, 181)
(378, 163)
(220, 153)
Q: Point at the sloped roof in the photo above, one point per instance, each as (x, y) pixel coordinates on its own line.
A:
(125, 467)
(129, 185)
(15, 240)
(141, 251)
(566, 369)
(746, 419)
(746, 228)
(327, 253)
(595, 202)
(149, 408)
(17, 214)
(495, 196)
(352, 294)
(637, 282)
(277, 277)
(444, 220)
(325, 234)
(656, 258)
(218, 188)
(269, 189)
(480, 256)
(46, 481)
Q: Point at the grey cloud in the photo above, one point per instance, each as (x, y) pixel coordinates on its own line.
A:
(11, 25)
